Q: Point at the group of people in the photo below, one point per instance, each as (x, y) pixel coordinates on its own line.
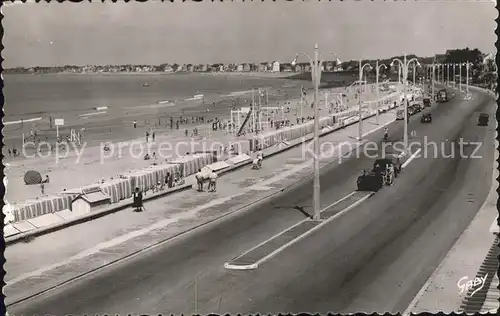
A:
(257, 162)
(212, 180)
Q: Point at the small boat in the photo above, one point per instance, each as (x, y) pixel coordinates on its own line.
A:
(145, 84)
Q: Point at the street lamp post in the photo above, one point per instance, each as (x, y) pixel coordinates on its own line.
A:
(467, 77)
(448, 74)
(433, 78)
(454, 76)
(460, 75)
(316, 77)
(360, 124)
(405, 65)
(377, 85)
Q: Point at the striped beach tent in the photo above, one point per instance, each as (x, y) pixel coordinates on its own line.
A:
(190, 164)
(160, 171)
(46, 205)
(118, 189)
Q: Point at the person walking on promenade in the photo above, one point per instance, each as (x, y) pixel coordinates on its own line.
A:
(199, 180)
(213, 182)
(138, 204)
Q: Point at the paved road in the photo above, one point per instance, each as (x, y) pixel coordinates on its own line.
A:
(374, 258)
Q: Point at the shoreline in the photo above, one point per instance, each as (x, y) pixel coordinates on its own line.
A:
(278, 75)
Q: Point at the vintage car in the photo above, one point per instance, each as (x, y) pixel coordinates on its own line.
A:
(375, 179)
(416, 108)
(427, 102)
(483, 119)
(426, 118)
(400, 114)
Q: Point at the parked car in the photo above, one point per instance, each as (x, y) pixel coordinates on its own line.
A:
(427, 102)
(483, 119)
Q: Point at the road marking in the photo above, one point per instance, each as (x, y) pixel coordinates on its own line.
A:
(255, 265)
(407, 162)
(376, 129)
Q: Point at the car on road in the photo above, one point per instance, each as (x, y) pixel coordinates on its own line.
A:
(400, 114)
(411, 110)
(442, 96)
(384, 171)
(483, 119)
(396, 161)
(419, 106)
(426, 118)
(427, 102)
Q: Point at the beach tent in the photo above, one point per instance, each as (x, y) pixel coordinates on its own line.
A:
(118, 189)
(32, 177)
(34, 208)
(190, 164)
(147, 178)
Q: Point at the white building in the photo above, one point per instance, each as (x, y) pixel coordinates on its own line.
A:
(275, 66)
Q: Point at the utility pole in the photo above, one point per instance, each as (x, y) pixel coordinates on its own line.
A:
(317, 71)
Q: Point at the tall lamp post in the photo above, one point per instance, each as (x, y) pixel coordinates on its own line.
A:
(433, 79)
(377, 85)
(454, 76)
(448, 75)
(360, 124)
(405, 65)
(316, 78)
(467, 64)
(460, 75)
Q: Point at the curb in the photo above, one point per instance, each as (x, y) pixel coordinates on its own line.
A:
(88, 217)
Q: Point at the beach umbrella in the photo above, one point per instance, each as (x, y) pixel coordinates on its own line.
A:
(32, 177)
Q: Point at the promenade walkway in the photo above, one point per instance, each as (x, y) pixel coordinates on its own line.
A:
(51, 259)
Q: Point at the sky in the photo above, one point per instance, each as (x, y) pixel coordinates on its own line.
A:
(235, 32)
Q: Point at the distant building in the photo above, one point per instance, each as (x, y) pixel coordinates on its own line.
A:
(239, 68)
(297, 68)
(246, 67)
(337, 68)
(440, 58)
(189, 68)
(262, 67)
(275, 66)
(286, 67)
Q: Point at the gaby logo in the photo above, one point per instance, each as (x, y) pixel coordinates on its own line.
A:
(464, 284)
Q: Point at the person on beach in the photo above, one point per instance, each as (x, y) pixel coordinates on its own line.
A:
(153, 136)
(147, 137)
(42, 187)
(10, 152)
(135, 124)
(186, 133)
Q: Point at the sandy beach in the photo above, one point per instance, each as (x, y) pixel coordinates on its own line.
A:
(88, 164)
